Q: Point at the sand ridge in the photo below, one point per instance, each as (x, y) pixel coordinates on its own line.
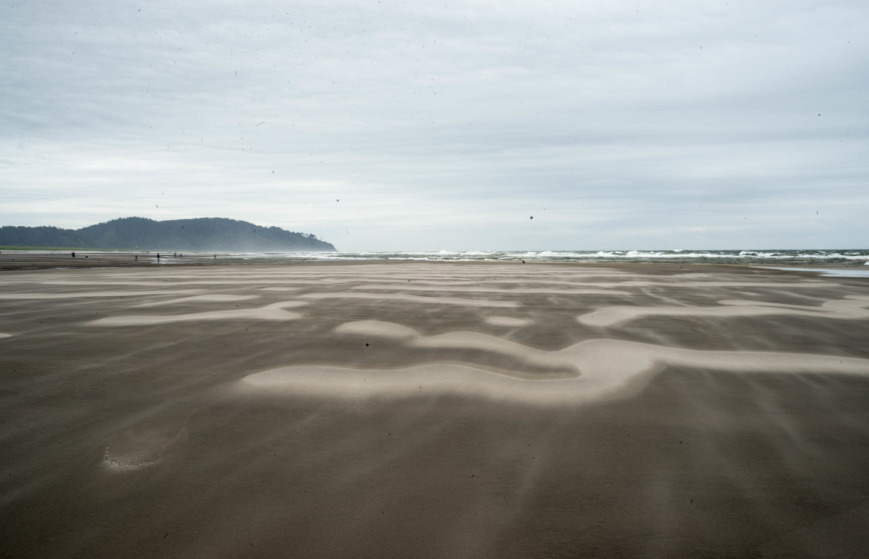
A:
(577, 287)
(413, 299)
(508, 321)
(91, 294)
(603, 368)
(272, 312)
(849, 308)
(578, 290)
(210, 298)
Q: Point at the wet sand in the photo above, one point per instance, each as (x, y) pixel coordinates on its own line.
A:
(431, 410)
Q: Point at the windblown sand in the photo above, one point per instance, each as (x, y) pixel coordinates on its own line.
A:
(433, 410)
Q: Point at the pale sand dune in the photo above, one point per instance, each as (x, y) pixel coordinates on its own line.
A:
(189, 282)
(507, 321)
(578, 288)
(274, 311)
(418, 422)
(413, 299)
(474, 289)
(90, 294)
(602, 368)
(212, 298)
(675, 282)
(851, 308)
(377, 328)
(519, 354)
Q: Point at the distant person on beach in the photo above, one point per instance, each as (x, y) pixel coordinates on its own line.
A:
(158, 257)
(73, 255)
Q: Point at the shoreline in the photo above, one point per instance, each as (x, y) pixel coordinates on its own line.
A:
(41, 260)
(842, 260)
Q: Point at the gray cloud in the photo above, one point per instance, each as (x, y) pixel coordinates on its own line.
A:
(673, 125)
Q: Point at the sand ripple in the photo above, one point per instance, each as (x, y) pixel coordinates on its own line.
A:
(413, 299)
(603, 368)
(107, 293)
(508, 321)
(849, 308)
(211, 298)
(609, 368)
(273, 312)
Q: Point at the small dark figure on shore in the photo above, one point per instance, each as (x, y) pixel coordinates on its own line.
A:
(73, 255)
(158, 257)
(137, 258)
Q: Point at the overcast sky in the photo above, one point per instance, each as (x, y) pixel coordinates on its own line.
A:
(403, 125)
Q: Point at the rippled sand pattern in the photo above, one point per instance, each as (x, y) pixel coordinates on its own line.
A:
(599, 367)
(850, 308)
(275, 311)
(433, 410)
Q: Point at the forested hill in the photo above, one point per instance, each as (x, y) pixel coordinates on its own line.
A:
(211, 234)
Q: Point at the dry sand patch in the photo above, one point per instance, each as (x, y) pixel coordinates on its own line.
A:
(508, 321)
(210, 298)
(603, 368)
(850, 308)
(107, 293)
(273, 312)
(518, 290)
(377, 329)
(434, 300)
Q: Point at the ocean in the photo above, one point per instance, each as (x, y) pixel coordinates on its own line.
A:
(851, 262)
(824, 258)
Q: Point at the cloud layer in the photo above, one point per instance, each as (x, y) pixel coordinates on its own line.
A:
(396, 126)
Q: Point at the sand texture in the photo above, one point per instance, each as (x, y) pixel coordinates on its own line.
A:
(456, 410)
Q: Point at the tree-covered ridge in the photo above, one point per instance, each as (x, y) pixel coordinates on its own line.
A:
(200, 234)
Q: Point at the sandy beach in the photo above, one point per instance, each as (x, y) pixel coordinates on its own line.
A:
(413, 409)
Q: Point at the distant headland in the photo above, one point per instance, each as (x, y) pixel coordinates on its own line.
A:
(208, 234)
